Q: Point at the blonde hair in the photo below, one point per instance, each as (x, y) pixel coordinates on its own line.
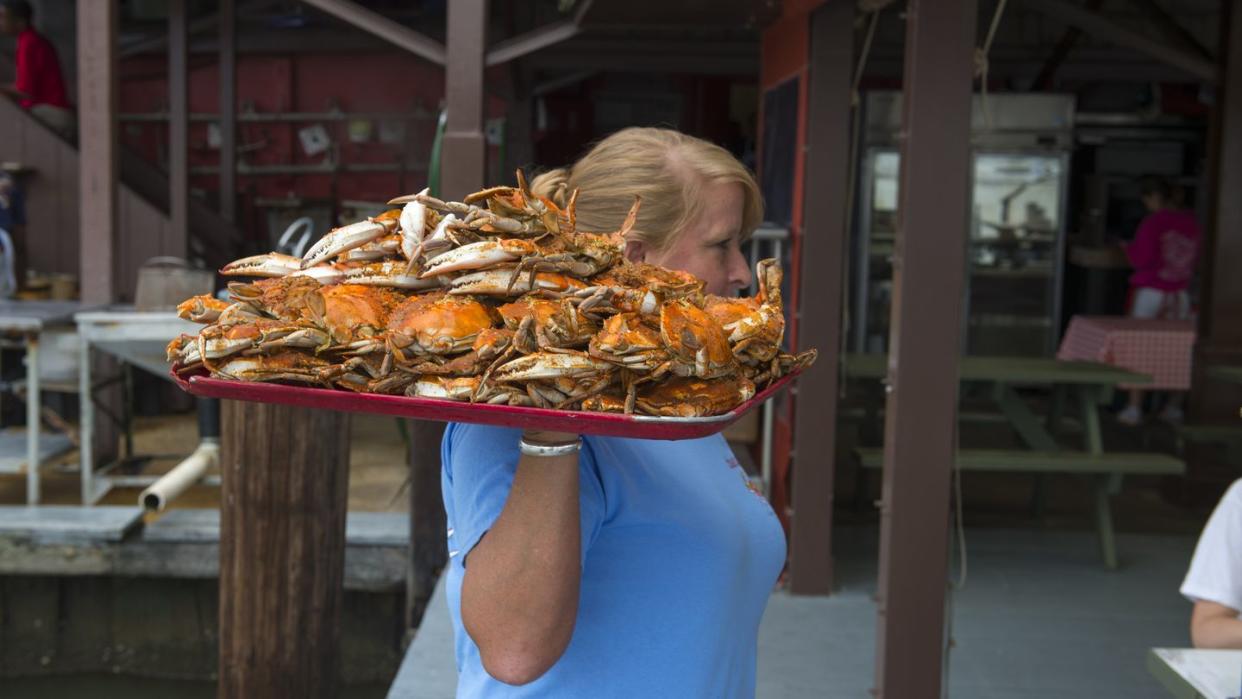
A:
(666, 168)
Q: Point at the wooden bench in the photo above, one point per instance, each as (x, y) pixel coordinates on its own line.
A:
(1109, 466)
(1228, 436)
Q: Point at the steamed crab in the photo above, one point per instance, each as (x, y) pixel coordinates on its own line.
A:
(297, 367)
(756, 324)
(429, 324)
(576, 253)
(679, 397)
(545, 324)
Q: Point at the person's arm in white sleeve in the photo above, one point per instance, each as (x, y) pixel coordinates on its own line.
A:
(1214, 581)
(1213, 625)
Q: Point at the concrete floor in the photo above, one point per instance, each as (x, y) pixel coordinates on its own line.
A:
(1037, 617)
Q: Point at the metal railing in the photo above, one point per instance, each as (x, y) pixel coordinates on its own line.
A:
(768, 240)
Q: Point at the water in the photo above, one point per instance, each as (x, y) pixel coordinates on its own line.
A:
(105, 686)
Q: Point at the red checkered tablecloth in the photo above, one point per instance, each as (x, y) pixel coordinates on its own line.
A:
(1162, 349)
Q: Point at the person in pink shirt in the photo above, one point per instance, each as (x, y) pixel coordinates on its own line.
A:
(1164, 254)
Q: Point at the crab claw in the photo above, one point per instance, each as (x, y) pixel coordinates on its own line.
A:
(204, 308)
(500, 282)
(551, 365)
(413, 223)
(389, 273)
(345, 238)
(480, 255)
(273, 264)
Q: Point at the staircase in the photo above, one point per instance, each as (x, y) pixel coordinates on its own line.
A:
(143, 224)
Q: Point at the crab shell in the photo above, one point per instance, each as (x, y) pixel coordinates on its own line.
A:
(436, 323)
(630, 340)
(350, 312)
(755, 326)
(285, 298)
(289, 365)
(546, 323)
(680, 397)
(695, 341)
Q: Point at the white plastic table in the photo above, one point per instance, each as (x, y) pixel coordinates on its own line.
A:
(134, 337)
(28, 320)
(1192, 673)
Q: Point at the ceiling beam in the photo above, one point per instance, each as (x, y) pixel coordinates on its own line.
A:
(1101, 27)
(383, 27)
(1168, 25)
(538, 38)
(1060, 52)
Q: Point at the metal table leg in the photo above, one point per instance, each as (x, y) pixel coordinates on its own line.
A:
(86, 407)
(33, 411)
(1107, 485)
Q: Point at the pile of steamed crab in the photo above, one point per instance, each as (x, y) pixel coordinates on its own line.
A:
(497, 299)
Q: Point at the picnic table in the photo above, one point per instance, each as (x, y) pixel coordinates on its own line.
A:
(1161, 349)
(1225, 372)
(1087, 384)
(1195, 673)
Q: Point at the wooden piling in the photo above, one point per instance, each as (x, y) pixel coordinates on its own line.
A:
(285, 483)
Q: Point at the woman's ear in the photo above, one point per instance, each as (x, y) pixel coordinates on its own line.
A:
(636, 250)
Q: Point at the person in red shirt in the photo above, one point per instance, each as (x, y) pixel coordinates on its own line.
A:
(1164, 253)
(40, 87)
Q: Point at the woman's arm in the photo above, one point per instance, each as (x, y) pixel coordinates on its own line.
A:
(1214, 625)
(519, 596)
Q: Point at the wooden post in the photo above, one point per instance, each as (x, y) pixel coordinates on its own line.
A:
(461, 172)
(462, 160)
(284, 491)
(97, 107)
(824, 260)
(1220, 332)
(228, 111)
(178, 129)
(97, 189)
(924, 347)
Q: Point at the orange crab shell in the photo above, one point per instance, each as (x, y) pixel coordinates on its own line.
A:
(624, 333)
(349, 311)
(696, 340)
(691, 397)
(441, 323)
(282, 297)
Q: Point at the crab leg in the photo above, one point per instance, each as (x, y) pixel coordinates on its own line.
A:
(495, 282)
(389, 273)
(345, 238)
(481, 255)
(273, 264)
(550, 365)
(413, 225)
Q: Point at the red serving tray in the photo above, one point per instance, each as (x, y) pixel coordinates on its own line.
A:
(573, 421)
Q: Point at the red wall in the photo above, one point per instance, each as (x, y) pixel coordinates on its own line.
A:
(356, 82)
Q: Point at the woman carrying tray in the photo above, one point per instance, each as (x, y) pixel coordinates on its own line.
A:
(609, 567)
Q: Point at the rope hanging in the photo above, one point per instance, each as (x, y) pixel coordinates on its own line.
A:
(981, 62)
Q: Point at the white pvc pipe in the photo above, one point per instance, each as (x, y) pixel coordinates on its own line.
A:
(182, 476)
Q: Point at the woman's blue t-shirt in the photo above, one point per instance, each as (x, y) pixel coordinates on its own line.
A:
(679, 556)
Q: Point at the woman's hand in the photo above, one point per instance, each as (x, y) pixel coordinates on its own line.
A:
(519, 596)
